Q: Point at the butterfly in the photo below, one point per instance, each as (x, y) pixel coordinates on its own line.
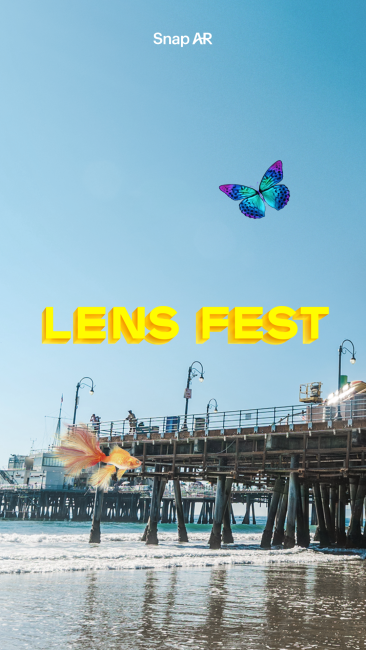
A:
(252, 204)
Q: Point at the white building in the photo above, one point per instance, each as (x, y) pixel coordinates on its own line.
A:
(38, 470)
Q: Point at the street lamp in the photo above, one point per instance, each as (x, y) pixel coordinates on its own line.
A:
(343, 350)
(212, 406)
(78, 386)
(192, 372)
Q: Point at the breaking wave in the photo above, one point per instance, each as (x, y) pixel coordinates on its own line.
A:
(66, 548)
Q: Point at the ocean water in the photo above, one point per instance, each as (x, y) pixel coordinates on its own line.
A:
(59, 591)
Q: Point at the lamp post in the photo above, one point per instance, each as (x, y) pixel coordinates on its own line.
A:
(211, 406)
(78, 386)
(192, 372)
(342, 350)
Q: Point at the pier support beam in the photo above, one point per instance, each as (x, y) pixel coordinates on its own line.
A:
(253, 513)
(191, 516)
(322, 531)
(305, 541)
(246, 519)
(205, 512)
(278, 490)
(314, 518)
(164, 513)
(301, 537)
(354, 536)
(333, 501)
(223, 490)
(157, 495)
(186, 503)
(326, 510)
(353, 483)
(341, 517)
(233, 520)
(227, 534)
(279, 532)
(94, 537)
(210, 511)
(289, 541)
(182, 531)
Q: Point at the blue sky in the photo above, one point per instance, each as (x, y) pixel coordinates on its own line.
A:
(112, 151)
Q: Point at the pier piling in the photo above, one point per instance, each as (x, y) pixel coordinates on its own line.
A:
(354, 536)
(223, 490)
(322, 531)
(94, 537)
(314, 519)
(227, 534)
(278, 490)
(292, 507)
(182, 531)
(353, 483)
(341, 516)
(279, 532)
(152, 526)
(324, 493)
(333, 502)
(233, 520)
(246, 519)
(301, 528)
(253, 513)
(305, 513)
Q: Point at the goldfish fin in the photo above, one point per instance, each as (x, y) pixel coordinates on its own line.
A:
(102, 477)
(79, 450)
(120, 473)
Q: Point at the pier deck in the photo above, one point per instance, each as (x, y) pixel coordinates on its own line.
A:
(291, 456)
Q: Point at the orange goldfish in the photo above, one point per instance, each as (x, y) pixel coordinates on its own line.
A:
(80, 449)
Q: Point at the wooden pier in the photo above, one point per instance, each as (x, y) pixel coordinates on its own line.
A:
(298, 457)
(321, 461)
(118, 505)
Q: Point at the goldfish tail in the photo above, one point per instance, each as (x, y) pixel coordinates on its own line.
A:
(79, 450)
(102, 477)
(120, 473)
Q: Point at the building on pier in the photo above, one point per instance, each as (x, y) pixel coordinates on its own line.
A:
(38, 470)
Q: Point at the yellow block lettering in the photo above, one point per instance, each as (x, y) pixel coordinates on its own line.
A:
(244, 325)
(162, 328)
(48, 333)
(132, 328)
(310, 317)
(210, 319)
(280, 328)
(88, 325)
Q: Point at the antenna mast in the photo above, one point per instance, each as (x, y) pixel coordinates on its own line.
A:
(57, 436)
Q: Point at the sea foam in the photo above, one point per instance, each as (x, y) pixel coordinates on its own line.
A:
(65, 551)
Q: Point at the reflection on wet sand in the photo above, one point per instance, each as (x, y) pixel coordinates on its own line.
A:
(149, 619)
(231, 608)
(211, 631)
(315, 607)
(94, 616)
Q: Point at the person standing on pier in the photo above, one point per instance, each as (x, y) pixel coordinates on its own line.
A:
(95, 420)
(131, 418)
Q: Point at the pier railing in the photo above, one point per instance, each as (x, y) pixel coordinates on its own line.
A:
(172, 426)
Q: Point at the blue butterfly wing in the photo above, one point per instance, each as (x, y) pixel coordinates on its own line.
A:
(253, 207)
(272, 176)
(238, 192)
(277, 197)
